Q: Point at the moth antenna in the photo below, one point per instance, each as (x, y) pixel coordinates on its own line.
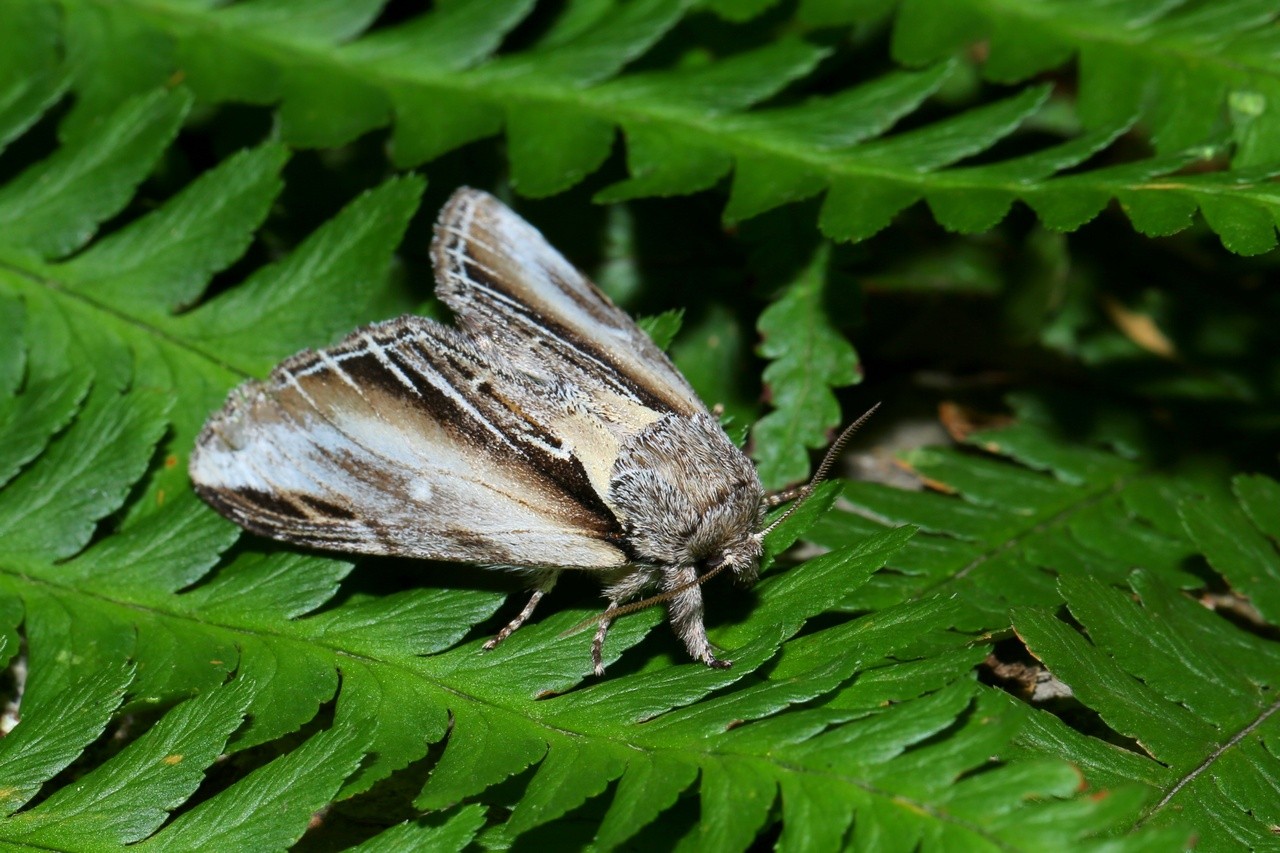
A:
(644, 603)
(823, 469)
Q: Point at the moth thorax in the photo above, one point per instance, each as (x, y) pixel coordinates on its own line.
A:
(686, 496)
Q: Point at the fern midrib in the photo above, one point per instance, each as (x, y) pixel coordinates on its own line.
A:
(36, 573)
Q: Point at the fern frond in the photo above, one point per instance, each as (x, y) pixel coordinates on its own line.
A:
(128, 798)
(442, 79)
(809, 358)
(127, 590)
(1194, 692)
(1191, 70)
(1162, 671)
(55, 207)
(1005, 528)
(1240, 542)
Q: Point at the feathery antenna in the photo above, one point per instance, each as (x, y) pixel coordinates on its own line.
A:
(823, 469)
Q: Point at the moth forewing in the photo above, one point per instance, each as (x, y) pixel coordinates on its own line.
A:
(544, 431)
(335, 451)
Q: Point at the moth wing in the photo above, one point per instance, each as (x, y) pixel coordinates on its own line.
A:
(509, 286)
(386, 444)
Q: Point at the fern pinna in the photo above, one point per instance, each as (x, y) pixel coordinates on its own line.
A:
(182, 685)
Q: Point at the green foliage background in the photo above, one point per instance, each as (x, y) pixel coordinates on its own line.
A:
(191, 191)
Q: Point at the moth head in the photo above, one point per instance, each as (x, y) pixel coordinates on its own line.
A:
(740, 556)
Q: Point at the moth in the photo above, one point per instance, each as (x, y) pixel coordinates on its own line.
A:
(543, 431)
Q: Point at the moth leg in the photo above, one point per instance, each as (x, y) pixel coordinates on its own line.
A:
(781, 497)
(624, 587)
(545, 581)
(685, 610)
(597, 642)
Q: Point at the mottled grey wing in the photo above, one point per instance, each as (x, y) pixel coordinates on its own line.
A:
(511, 288)
(405, 439)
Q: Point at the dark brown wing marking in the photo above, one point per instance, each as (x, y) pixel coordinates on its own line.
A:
(513, 289)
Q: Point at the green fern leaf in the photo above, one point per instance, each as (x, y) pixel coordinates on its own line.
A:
(55, 207)
(30, 758)
(809, 359)
(336, 269)
(1179, 62)
(454, 834)
(673, 156)
(1190, 688)
(1050, 507)
(851, 702)
(46, 512)
(234, 619)
(1200, 79)
(824, 124)
(663, 327)
(313, 772)
(129, 797)
(46, 404)
(161, 263)
(271, 807)
(1239, 542)
(30, 66)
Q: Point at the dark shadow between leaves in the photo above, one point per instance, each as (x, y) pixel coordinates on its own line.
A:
(232, 767)
(389, 802)
(1013, 669)
(123, 730)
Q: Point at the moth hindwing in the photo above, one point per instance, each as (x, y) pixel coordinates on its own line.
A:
(543, 431)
